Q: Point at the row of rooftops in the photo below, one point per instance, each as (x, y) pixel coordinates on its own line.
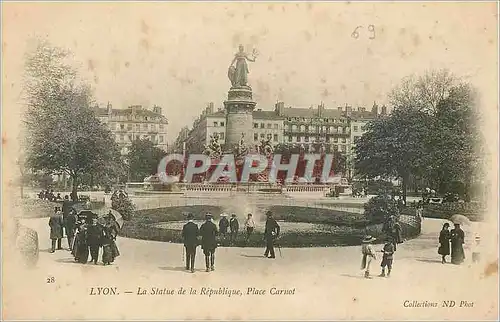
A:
(296, 114)
(155, 113)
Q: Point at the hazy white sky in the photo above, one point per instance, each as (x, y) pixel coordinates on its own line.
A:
(176, 55)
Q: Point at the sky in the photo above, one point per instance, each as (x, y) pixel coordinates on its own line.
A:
(176, 55)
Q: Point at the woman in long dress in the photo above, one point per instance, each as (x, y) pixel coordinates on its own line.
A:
(457, 237)
(109, 248)
(444, 242)
(80, 247)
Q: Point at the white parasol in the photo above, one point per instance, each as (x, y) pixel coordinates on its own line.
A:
(461, 220)
(103, 212)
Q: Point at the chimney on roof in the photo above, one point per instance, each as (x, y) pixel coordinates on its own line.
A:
(109, 108)
(375, 108)
(348, 110)
(362, 109)
(135, 108)
(340, 108)
(157, 109)
(210, 108)
(384, 110)
(279, 108)
(321, 108)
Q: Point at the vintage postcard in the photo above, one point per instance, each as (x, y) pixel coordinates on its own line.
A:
(250, 160)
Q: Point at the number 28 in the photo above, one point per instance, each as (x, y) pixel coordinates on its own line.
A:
(371, 28)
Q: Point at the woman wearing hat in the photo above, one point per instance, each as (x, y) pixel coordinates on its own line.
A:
(457, 237)
(444, 242)
(368, 254)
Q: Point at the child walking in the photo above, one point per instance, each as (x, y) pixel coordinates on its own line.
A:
(368, 255)
(476, 252)
(387, 257)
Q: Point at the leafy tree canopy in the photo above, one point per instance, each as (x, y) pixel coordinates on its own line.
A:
(63, 133)
(143, 159)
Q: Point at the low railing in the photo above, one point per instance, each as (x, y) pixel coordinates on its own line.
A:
(242, 187)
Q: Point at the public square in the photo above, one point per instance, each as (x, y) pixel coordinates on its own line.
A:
(328, 282)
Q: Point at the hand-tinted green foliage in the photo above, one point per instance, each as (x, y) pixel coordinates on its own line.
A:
(143, 159)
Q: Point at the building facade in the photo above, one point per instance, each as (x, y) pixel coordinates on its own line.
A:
(135, 122)
(335, 129)
(267, 125)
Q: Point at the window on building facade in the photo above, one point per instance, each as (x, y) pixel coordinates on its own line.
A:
(275, 126)
(261, 125)
(162, 127)
(289, 138)
(342, 140)
(342, 148)
(145, 118)
(221, 123)
(332, 129)
(355, 128)
(129, 127)
(269, 125)
(262, 136)
(161, 138)
(122, 138)
(306, 139)
(275, 137)
(221, 135)
(294, 127)
(302, 128)
(363, 128)
(256, 137)
(137, 127)
(335, 140)
(145, 126)
(269, 136)
(153, 127)
(335, 147)
(256, 125)
(122, 126)
(216, 124)
(130, 138)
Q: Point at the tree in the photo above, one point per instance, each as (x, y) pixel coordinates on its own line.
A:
(143, 159)
(424, 92)
(431, 134)
(63, 133)
(456, 141)
(394, 147)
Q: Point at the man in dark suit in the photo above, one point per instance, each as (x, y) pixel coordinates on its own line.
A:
(66, 210)
(234, 226)
(70, 226)
(56, 229)
(94, 239)
(271, 232)
(208, 232)
(190, 235)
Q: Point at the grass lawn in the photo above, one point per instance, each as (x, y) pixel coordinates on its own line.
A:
(333, 228)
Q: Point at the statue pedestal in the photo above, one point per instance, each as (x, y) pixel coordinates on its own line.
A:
(239, 118)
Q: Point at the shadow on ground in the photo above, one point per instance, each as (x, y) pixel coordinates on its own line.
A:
(179, 269)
